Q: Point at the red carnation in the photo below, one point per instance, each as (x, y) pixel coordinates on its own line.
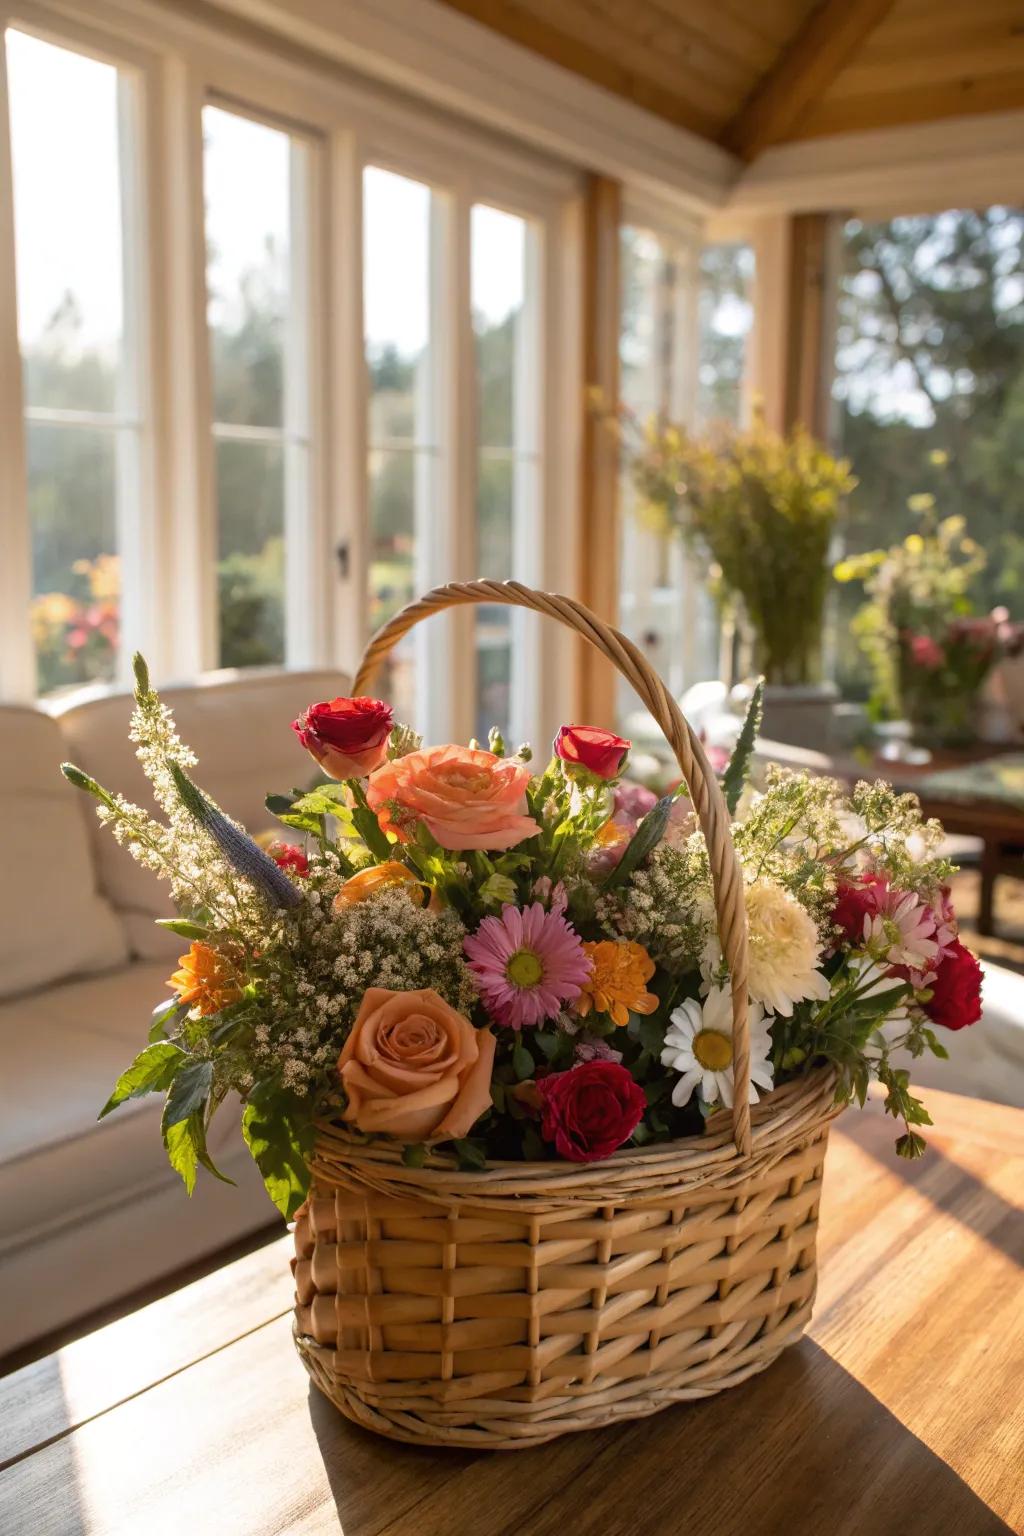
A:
(860, 898)
(956, 989)
(589, 1111)
(348, 737)
(601, 752)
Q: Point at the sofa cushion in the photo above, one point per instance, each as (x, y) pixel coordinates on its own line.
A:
(237, 723)
(53, 920)
(63, 1050)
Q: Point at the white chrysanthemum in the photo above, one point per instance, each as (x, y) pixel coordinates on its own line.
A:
(784, 950)
(699, 1045)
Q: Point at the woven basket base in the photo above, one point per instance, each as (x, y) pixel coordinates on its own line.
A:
(494, 1424)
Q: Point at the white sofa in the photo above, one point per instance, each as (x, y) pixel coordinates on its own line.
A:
(89, 1210)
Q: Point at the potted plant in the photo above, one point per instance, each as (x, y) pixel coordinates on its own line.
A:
(759, 509)
(928, 650)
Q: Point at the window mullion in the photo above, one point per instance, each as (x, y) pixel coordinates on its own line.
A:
(528, 498)
(347, 556)
(306, 571)
(17, 661)
(188, 542)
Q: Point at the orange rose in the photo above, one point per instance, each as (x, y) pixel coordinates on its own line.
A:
(465, 798)
(377, 877)
(414, 1068)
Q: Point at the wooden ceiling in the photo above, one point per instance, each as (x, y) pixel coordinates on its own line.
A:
(752, 73)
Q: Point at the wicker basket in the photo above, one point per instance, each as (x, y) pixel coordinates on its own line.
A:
(501, 1308)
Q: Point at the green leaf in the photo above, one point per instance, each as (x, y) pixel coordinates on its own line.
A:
(934, 1044)
(163, 1015)
(182, 1149)
(522, 1063)
(369, 829)
(279, 1134)
(189, 1092)
(470, 1154)
(911, 1146)
(645, 839)
(735, 776)
(152, 1071)
(182, 927)
(414, 1155)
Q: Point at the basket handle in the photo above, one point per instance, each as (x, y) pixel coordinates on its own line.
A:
(705, 793)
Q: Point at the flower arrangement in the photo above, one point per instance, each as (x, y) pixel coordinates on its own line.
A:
(929, 651)
(760, 509)
(509, 963)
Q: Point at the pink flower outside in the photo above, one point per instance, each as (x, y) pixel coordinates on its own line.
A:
(527, 963)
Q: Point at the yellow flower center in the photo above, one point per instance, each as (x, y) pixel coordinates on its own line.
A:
(524, 969)
(713, 1050)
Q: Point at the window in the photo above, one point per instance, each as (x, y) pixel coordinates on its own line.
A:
(252, 182)
(280, 338)
(403, 406)
(929, 387)
(725, 316)
(79, 367)
(686, 314)
(507, 446)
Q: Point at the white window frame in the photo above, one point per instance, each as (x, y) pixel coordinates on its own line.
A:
(179, 63)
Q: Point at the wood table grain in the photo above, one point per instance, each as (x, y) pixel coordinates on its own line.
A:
(901, 1412)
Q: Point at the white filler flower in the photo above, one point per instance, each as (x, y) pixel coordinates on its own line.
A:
(699, 1045)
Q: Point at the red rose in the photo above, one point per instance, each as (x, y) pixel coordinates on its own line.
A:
(288, 858)
(956, 989)
(348, 737)
(602, 752)
(860, 898)
(590, 1110)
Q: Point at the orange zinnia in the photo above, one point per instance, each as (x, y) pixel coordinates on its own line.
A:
(617, 983)
(377, 877)
(207, 980)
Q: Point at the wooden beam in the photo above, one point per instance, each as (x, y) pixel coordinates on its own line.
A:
(827, 41)
(599, 477)
(804, 393)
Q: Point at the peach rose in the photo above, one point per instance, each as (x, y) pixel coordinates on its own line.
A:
(414, 1068)
(465, 798)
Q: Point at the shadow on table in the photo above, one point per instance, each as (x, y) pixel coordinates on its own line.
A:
(54, 1510)
(801, 1450)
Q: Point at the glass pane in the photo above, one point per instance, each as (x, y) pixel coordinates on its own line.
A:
(76, 579)
(928, 392)
(498, 289)
(396, 305)
(67, 218)
(250, 501)
(246, 180)
(726, 315)
(647, 346)
(398, 479)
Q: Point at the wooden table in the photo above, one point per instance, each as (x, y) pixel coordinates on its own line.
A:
(902, 1411)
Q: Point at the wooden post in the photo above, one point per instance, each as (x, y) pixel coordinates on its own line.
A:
(599, 477)
(804, 382)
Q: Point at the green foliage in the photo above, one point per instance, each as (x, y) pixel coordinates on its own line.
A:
(152, 1071)
(278, 1131)
(761, 510)
(738, 769)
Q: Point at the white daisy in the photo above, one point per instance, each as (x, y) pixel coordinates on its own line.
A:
(698, 1044)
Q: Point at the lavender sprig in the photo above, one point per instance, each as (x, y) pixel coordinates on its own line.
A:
(237, 847)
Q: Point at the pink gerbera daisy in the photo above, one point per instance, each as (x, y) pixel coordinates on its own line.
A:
(527, 963)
